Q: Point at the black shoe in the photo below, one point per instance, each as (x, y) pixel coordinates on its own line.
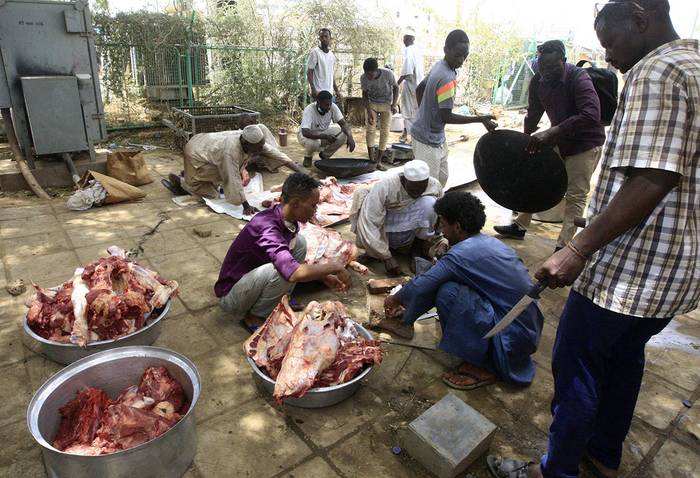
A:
(173, 184)
(307, 162)
(512, 231)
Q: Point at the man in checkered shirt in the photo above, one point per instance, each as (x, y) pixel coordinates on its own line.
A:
(636, 265)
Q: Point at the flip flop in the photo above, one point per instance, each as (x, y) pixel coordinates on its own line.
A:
(249, 328)
(507, 468)
(479, 381)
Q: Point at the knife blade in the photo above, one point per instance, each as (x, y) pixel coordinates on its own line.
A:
(532, 295)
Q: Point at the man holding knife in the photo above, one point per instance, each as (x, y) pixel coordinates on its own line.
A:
(636, 265)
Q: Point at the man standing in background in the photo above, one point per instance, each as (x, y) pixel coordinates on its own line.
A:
(566, 93)
(411, 76)
(320, 66)
(436, 97)
(380, 93)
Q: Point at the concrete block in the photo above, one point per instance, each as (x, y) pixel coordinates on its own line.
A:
(448, 437)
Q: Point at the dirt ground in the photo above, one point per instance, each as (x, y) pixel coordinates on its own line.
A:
(240, 432)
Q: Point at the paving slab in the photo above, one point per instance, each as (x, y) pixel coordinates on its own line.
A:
(222, 326)
(675, 461)
(11, 349)
(15, 398)
(93, 252)
(659, 401)
(219, 249)
(368, 453)
(35, 245)
(186, 333)
(253, 440)
(316, 468)
(227, 382)
(39, 370)
(40, 269)
(638, 443)
(27, 226)
(328, 425)
(168, 242)
(224, 230)
(529, 404)
(690, 422)
(19, 212)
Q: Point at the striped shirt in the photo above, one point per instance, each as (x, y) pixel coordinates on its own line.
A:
(653, 270)
(440, 91)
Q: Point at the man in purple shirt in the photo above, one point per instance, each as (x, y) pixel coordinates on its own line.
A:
(566, 93)
(266, 260)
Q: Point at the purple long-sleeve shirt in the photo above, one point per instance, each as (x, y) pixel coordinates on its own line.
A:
(265, 239)
(574, 108)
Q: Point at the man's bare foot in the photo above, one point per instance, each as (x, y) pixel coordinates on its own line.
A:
(397, 327)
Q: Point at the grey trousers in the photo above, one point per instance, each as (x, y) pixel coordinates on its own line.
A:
(259, 291)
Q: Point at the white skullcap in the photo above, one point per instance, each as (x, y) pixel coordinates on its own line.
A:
(252, 134)
(416, 170)
(409, 31)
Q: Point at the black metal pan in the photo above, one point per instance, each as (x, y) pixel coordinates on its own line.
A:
(516, 179)
(345, 167)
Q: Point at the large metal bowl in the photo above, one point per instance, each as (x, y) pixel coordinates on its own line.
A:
(69, 353)
(322, 396)
(169, 455)
(345, 167)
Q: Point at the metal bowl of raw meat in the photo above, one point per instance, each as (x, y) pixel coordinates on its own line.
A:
(69, 353)
(169, 455)
(321, 396)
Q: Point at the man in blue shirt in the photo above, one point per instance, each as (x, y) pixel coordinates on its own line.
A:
(472, 286)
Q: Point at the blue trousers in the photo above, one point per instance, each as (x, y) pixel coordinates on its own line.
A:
(597, 364)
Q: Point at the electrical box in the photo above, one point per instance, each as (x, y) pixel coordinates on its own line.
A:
(55, 115)
(49, 75)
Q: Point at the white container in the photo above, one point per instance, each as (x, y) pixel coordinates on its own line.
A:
(396, 123)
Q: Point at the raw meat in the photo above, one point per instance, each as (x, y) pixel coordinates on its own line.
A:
(334, 204)
(350, 361)
(50, 312)
(322, 348)
(324, 244)
(80, 418)
(312, 349)
(92, 424)
(105, 300)
(269, 343)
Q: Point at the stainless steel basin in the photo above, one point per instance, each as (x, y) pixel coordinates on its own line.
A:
(322, 396)
(169, 455)
(69, 353)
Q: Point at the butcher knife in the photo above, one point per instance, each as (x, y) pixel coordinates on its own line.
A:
(532, 295)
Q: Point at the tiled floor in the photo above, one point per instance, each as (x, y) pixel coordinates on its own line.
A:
(240, 432)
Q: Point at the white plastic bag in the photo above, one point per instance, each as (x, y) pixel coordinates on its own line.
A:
(92, 195)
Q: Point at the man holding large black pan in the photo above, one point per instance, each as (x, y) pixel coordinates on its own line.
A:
(566, 93)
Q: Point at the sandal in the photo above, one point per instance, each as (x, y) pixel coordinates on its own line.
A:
(508, 468)
(475, 376)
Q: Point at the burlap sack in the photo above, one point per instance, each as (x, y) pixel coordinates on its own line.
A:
(117, 191)
(128, 166)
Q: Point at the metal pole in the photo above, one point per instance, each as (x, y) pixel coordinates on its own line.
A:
(188, 66)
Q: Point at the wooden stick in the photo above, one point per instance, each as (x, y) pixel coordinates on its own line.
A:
(19, 158)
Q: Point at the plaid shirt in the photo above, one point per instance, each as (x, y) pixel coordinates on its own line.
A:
(653, 270)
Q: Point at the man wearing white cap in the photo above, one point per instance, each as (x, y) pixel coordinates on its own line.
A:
(411, 76)
(225, 159)
(397, 214)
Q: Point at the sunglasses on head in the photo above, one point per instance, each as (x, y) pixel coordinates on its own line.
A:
(599, 6)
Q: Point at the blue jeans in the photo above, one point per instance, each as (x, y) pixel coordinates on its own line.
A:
(597, 364)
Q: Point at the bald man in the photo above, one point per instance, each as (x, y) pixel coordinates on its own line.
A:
(225, 159)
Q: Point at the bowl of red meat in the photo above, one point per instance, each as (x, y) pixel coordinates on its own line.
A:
(313, 360)
(121, 413)
(112, 302)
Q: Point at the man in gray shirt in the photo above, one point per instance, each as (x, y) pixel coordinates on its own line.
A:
(436, 94)
(380, 94)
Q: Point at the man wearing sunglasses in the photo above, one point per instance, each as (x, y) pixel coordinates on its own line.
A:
(636, 265)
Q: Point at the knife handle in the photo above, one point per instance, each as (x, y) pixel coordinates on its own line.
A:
(537, 289)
